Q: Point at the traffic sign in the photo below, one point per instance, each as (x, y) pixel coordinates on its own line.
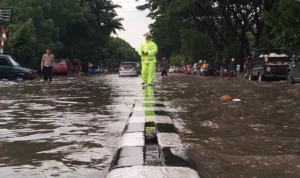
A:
(5, 16)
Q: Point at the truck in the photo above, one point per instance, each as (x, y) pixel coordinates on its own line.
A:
(271, 62)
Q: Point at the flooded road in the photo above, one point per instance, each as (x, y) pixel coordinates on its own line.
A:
(255, 137)
(68, 128)
(71, 127)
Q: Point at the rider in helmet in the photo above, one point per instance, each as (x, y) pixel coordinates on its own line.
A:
(232, 65)
(224, 65)
(204, 66)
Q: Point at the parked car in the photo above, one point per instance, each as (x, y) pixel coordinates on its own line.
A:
(238, 68)
(128, 69)
(269, 63)
(60, 67)
(94, 70)
(293, 71)
(189, 69)
(11, 70)
(171, 70)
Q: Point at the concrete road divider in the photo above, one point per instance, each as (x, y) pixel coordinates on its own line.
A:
(150, 146)
(153, 172)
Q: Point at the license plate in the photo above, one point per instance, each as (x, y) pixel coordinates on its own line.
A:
(57, 68)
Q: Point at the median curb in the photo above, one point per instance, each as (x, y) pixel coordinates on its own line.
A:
(150, 145)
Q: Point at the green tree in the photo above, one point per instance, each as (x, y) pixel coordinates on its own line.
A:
(177, 60)
(283, 17)
(71, 28)
(118, 51)
(196, 45)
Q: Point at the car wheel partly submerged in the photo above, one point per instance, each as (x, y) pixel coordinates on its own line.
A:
(19, 78)
(250, 76)
(260, 78)
(290, 78)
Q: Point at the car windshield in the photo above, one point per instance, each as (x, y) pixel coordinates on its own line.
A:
(94, 67)
(128, 65)
(13, 62)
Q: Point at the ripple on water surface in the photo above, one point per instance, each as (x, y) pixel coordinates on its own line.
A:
(67, 128)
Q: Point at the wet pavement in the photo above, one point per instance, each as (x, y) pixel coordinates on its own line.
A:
(72, 127)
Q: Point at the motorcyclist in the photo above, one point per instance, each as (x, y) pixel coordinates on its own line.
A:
(224, 66)
(232, 65)
(204, 67)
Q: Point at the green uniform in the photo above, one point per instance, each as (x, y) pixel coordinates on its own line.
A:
(149, 61)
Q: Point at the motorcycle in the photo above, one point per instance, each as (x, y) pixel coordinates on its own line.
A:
(232, 73)
(204, 72)
(224, 73)
(196, 71)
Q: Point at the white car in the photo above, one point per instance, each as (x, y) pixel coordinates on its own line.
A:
(172, 68)
(238, 67)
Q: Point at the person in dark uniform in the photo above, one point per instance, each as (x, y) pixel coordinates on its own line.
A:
(232, 65)
(164, 66)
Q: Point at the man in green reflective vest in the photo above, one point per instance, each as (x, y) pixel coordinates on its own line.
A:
(148, 51)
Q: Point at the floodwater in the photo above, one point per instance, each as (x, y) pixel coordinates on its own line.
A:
(257, 136)
(71, 127)
(68, 128)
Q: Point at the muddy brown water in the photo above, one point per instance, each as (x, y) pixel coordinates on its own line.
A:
(71, 127)
(256, 137)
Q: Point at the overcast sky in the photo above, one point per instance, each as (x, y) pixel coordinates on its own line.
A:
(135, 22)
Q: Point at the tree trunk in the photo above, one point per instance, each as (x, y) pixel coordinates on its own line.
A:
(243, 42)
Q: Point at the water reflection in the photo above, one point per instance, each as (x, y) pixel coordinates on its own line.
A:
(68, 128)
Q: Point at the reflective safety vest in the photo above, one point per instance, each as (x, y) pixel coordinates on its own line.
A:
(151, 48)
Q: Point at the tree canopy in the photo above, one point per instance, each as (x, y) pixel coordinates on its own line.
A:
(79, 29)
(222, 29)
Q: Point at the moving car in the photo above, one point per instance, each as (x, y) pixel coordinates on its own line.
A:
(128, 69)
(293, 71)
(268, 63)
(60, 67)
(11, 70)
(94, 70)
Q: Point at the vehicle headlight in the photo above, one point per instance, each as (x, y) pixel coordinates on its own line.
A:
(268, 69)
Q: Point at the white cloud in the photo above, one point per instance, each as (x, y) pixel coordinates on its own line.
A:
(135, 22)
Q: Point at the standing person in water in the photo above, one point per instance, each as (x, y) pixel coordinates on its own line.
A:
(147, 52)
(164, 66)
(47, 64)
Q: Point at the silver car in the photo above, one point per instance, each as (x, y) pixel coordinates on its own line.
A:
(128, 69)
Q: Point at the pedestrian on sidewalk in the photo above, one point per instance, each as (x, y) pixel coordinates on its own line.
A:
(164, 66)
(147, 52)
(47, 64)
